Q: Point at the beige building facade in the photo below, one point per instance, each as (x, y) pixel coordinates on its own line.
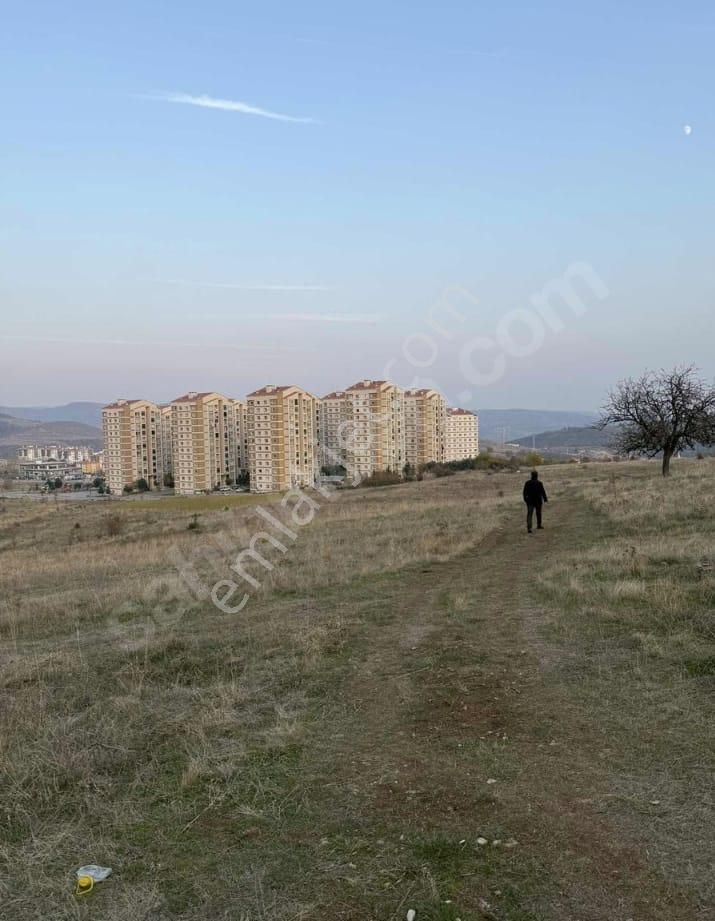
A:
(282, 433)
(374, 428)
(462, 439)
(425, 427)
(333, 415)
(240, 410)
(204, 450)
(133, 451)
(167, 444)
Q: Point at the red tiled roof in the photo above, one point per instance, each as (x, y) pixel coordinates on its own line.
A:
(460, 412)
(271, 389)
(367, 385)
(121, 402)
(191, 396)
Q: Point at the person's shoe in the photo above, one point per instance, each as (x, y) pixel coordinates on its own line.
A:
(529, 531)
(539, 527)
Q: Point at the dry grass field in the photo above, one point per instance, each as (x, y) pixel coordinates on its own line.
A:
(422, 707)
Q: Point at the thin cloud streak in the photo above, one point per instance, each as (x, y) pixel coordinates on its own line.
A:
(161, 343)
(477, 53)
(227, 105)
(243, 287)
(369, 319)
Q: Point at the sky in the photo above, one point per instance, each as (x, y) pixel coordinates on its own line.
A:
(222, 195)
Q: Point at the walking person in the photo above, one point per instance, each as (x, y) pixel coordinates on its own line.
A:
(534, 496)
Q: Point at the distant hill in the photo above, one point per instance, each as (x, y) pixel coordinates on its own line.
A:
(88, 413)
(569, 437)
(9, 424)
(15, 432)
(512, 424)
(492, 422)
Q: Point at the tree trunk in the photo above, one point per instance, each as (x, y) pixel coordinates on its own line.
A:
(667, 454)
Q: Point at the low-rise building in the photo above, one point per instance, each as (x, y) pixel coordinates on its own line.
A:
(43, 469)
(94, 466)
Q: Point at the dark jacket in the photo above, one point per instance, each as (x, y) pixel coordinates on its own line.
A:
(534, 492)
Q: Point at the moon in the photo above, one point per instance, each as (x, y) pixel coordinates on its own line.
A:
(687, 130)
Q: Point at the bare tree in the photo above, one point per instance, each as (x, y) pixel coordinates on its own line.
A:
(661, 412)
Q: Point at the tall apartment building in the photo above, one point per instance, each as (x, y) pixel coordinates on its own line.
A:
(132, 444)
(282, 425)
(462, 435)
(425, 426)
(203, 442)
(241, 415)
(167, 443)
(333, 415)
(374, 428)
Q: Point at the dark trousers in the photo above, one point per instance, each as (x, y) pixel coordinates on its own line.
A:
(530, 509)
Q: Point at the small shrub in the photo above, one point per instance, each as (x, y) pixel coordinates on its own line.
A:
(381, 478)
(193, 525)
(113, 525)
(701, 668)
(437, 469)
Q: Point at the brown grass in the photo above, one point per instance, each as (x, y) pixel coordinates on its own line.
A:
(325, 753)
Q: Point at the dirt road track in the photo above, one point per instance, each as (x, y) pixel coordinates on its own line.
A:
(459, 726)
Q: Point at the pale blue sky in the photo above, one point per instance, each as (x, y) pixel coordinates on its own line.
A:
(151, 246)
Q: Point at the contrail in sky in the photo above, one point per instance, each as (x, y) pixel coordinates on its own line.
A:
(226, 105)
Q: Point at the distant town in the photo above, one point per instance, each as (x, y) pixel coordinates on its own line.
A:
(69, 464)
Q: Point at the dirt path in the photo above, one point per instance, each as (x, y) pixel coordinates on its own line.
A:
(454, 727)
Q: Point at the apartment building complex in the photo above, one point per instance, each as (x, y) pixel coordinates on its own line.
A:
(132, 444)
(462, 435)
(282, 426)
(280, 436)
(425, 426)
(203, 446)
